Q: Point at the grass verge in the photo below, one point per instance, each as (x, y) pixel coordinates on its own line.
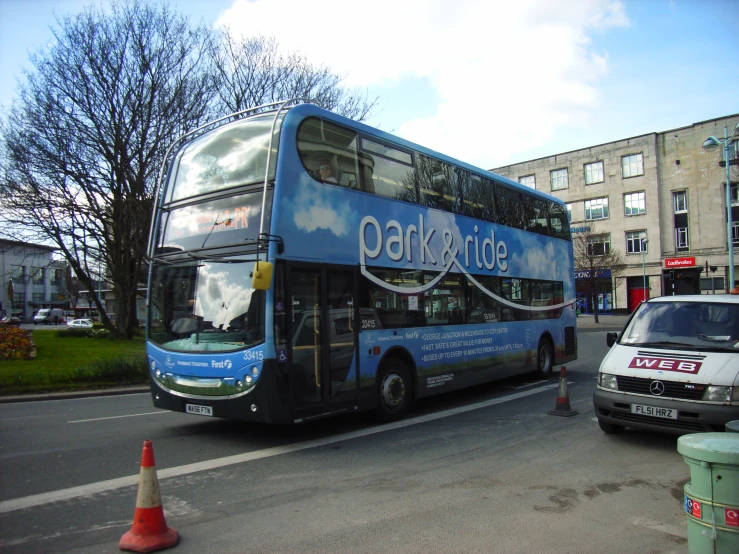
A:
(65, 363)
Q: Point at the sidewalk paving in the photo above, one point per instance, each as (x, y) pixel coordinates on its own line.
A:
(113, 391)
(605, 322)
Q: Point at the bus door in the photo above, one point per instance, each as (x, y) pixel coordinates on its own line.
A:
(324, 340)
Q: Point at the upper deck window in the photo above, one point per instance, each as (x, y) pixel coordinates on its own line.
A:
(331, 154)
(339, 155)
(230, 156)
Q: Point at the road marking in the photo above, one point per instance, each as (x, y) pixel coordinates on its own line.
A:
(657, 526)
(131, 480)
(117, 417)
(525, 385)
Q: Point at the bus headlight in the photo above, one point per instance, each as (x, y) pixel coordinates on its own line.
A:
(153, 364)
(607, 381)
(247, 379)
(715, 393)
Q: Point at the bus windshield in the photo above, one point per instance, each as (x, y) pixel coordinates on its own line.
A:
(227, 157)
(205, 306)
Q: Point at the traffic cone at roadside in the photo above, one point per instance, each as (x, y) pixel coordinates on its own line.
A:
(562, 407)
(149, 532)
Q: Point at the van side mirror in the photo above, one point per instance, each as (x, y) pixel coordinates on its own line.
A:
(611, 339)
(262, 276)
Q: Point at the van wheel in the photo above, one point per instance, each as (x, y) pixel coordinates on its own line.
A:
(544, 359)
(610, 428)
(394, 390)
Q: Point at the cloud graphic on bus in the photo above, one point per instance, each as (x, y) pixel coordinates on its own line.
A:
(314, 211)
(539, 263)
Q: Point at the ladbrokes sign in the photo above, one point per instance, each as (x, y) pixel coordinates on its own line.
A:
(679, 262)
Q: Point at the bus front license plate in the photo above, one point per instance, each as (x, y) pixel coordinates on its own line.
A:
(653, 411)
(199, 410)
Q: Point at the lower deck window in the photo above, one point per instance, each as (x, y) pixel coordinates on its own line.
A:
(454, 299)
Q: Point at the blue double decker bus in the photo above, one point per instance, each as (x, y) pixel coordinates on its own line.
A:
(304, 264)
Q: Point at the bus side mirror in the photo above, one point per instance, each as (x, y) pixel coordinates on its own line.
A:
(262, 276)
(611, 339)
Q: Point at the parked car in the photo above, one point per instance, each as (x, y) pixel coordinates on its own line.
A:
(10, 321)
(674, 368)
(80, 324)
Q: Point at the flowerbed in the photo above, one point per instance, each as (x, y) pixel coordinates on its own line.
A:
(15, 344)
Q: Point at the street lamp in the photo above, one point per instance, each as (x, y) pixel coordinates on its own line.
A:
(644, 264)
(710, 144)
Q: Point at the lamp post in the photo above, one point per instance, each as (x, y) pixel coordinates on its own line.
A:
(709, 144)
(644, 264)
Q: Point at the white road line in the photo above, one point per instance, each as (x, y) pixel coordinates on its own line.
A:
(659, 526)
(131, 480)
(525, 385)
(117, 417)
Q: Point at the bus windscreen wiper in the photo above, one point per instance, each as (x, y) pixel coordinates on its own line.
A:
(663, 343)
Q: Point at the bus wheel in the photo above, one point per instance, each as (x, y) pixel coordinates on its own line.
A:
(395, 390)
(544, 359)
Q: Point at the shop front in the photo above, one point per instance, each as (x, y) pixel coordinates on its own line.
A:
(681, 276)
(594, 291)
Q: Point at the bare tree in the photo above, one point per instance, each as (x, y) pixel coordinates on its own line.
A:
(84, 142)
(71, 287)
(251, 72)
(593, 256)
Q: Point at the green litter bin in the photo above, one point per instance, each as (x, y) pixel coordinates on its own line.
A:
(711, 496)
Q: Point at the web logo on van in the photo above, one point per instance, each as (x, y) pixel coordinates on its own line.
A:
(665, 364)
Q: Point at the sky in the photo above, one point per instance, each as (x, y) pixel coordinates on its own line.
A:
(489, 82)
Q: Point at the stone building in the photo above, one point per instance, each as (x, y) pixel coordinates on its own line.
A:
(37, 279)
(659, 199)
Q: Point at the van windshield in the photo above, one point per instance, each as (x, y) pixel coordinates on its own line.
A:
(685, 325)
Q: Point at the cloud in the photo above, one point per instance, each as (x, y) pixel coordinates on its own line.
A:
(509, 74)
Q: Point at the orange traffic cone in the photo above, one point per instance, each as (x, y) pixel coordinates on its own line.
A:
(562, 407)
(149, 532)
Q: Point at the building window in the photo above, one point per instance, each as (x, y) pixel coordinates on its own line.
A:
(528, 180)
(599, 245)
(632, 165)
(569, 212)
(558, 178)
(18, 299)
(735, 232)
(734, 191)
(593, 173)
(57, 276)
(680, 201)
(596, 208)
(37, 277)
(635, 203)
(682, 241)
(38, 296)
(16, 273)
(634, 242)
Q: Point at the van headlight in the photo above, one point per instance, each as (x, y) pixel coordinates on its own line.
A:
(607, 381)
(715, 393)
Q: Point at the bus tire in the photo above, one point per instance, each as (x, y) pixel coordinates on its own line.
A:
(544, 358)
(394, 390)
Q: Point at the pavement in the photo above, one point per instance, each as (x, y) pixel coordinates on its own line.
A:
(586, 322)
